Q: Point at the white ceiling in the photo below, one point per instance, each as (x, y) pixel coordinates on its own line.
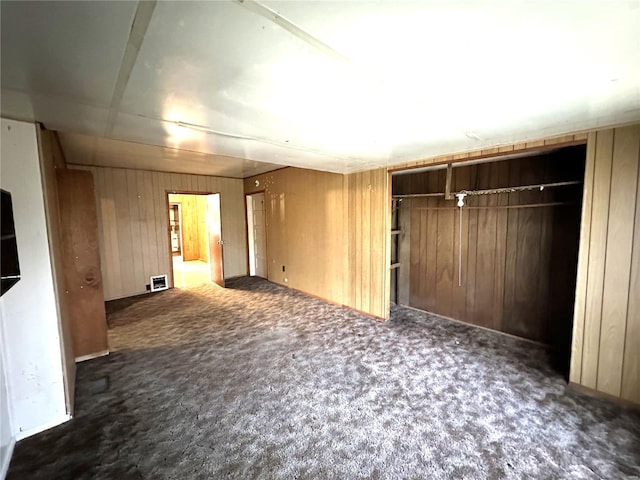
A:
(338, 86)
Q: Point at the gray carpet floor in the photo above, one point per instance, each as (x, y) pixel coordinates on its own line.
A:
(258, 381)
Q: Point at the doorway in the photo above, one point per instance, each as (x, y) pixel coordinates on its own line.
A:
(257, 235)
(195, 239)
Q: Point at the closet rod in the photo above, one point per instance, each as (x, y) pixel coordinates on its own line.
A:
(492, 191)
(489, 207)
(523, 188)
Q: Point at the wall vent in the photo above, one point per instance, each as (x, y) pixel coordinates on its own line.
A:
(159, 282)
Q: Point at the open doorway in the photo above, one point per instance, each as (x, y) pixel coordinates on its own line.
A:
(195, 239)
(257, 235)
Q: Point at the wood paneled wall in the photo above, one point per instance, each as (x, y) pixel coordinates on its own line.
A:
(606, 335)
(329, 232)
(518, 261)
(369, 256)
(133, 224)
(194, 225)
(306, 230)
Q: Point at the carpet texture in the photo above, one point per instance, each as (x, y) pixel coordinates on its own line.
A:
(258, 381)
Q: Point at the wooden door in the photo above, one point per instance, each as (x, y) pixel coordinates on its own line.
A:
(214, 231)
(81, 263)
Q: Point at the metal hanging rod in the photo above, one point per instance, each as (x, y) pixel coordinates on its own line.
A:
(492, 191)
(523, 188)
(504, 207)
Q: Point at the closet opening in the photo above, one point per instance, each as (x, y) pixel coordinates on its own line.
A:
(493, 243)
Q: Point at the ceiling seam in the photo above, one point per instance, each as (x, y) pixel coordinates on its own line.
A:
(139, 26)
(293, 29)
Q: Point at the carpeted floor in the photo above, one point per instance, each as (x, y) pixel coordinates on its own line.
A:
(257, 381)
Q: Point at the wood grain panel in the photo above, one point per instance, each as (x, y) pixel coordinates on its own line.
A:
(404, 252)
(486, 249)
(134, 224)
(459, 307)
(81, 260)
(606, 337)
(624, 176)
(597, 252)
(631, 362)
(505, 250)
(583, 263)
(51, 159)
(331, 233)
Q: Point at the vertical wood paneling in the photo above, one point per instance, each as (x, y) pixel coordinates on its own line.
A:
(583, 263)
(486, 250)
(597, 251)
(624, 176)
(81, 261)
(314, 222)
(459, 308)
(136, 231)
(505, 251)
(125, 233)
(367, 213)
(631, 362)
(501, 248)
(331, 232)
(606, 334)
(133, 228)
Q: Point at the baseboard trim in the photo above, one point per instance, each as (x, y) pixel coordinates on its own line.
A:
(4, 466)
(92, 356)
(338, 304)
(41, 428)
(540, 344)
(606, 396)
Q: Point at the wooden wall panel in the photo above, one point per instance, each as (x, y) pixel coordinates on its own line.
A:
(305, 235)
(51, 159)
(330, 232)
(606, 340)
(133, 229)
(597, 252)
(505, 251)
(624, 179)
(368, 211)
(631, 361)
(81, 261)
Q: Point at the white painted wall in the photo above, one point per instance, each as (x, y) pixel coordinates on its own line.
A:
(30, 339)
(6, 434)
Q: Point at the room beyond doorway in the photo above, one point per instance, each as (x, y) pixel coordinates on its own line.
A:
(195, 239)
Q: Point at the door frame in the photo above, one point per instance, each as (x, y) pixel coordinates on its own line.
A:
(266, 229)
(167, 192)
